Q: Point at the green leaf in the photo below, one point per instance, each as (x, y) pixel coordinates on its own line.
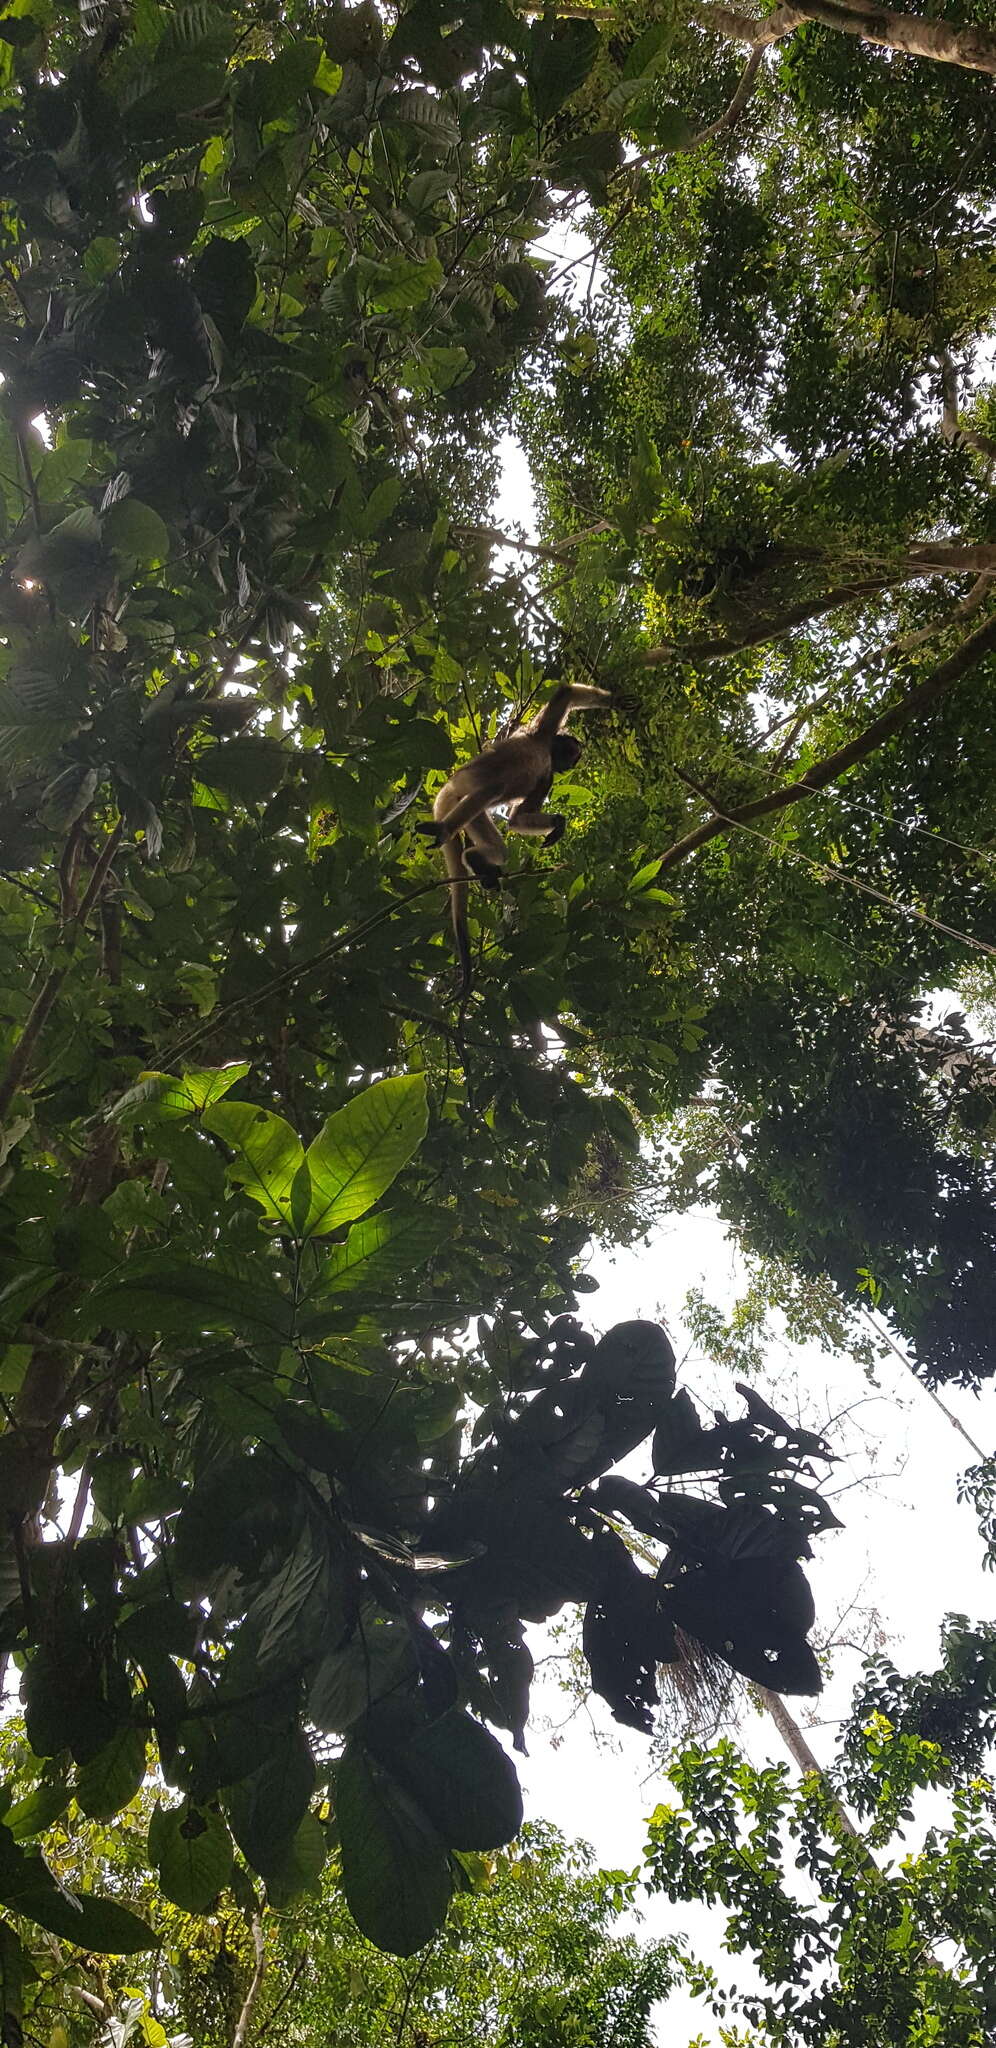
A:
(250, 767)
(300, 1867)
(268, 1153)
(561, 54)
(589, 161)
(419, 109)
(672, 127)
(401, 285)
(34, 1813)
(362, 1148)
(462, 1780)
(368, 1667)
(28, 1887)
(187, 1300)
(271, 88)
(19, 29)
(285, 1615)
(136, 531)
(224, 277)
(195, 1090)
(192, 1852)
(89, 1922)
(267, 1809)
(113, 1474)
(381, 503)
(110, 1780)
(395, 1870)
(381, 1248)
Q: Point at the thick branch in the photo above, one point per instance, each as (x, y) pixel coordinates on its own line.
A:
(970, 46)
(920, 699)
(959, 558)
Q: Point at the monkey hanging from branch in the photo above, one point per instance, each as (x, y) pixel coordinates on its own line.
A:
(517, 772)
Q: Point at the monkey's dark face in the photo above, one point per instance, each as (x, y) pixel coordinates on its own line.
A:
(565, 752)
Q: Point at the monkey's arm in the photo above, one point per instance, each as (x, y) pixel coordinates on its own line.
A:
(567, 697)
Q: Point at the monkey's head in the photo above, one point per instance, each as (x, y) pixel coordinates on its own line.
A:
(565, 752)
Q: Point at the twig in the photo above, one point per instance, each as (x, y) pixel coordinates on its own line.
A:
(726, 120)
(282, 2000)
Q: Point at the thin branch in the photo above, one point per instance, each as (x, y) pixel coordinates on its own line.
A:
(918, 700)
(721, 126)
(281, 2001)
(947, 1412)
(79, 1506)
(290, 975)
(244, 2020)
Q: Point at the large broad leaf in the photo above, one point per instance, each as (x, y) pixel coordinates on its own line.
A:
(462, 1779)
(380, 1248)
(41, 1806)
(268, 1153)
(361, 1149)
(111, 1778)
(165, 1096)
(284, 1617)
(370, 1666)
(395, 1869)
(184, 1301)
(300, 1867)
(250, 767)
(635, 1360)
(192, 1851)
(267, 1809)
(136, 532)
(28, 1887)
(561, 54)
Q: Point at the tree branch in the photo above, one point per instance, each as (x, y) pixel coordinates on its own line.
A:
(950, 427)
(244, 2020)
(970, 46)
(924, 558)
(918, 700)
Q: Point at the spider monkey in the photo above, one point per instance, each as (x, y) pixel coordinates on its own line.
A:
(518, 772)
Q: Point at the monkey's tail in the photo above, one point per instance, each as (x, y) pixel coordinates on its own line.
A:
(459, 890)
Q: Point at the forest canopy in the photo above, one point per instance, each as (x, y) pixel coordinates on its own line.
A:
(301, 1427)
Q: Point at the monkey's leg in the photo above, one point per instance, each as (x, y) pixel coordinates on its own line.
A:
(546, 825)
(485, 856)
